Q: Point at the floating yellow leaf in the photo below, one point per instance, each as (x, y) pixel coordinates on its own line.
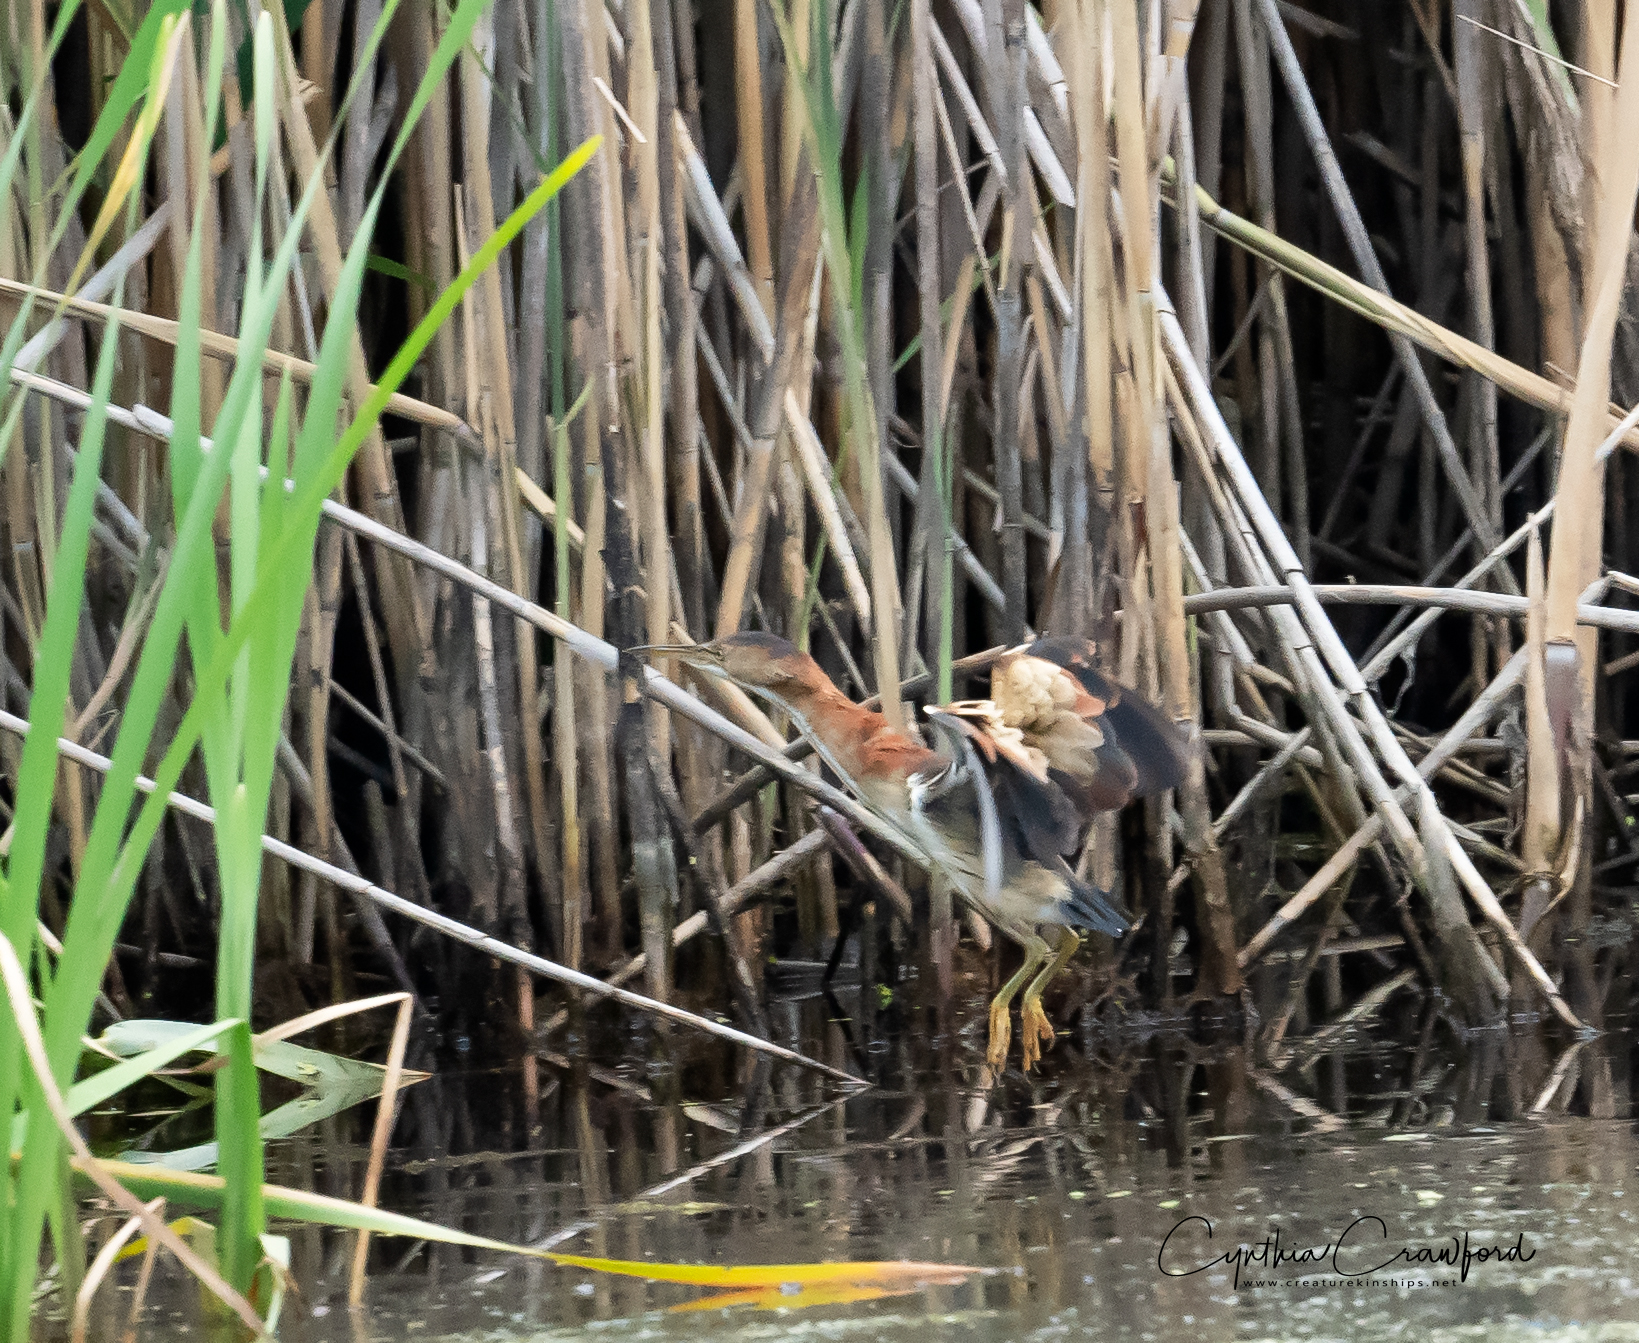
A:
(774, 1298)
(785, 1286)
(189, 1228)
(893, 1273)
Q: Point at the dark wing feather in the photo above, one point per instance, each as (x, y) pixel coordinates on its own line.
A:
(1045, 815)
(1158, 751)
(1038, 819)
(999, 801)
(1091, 909)
(1057, 742)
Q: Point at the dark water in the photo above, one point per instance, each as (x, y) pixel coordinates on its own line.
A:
(1070, 1182)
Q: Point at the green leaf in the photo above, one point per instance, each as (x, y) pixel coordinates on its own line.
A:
(1535, 13)
(332, 1082)
(397, 270)
(158, 1049)
(858, 231)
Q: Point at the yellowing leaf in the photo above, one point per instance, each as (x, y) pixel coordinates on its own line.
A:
(897, 1273)
(775, 1298)
(202, 1233)
(783, 1286)
(172, 33)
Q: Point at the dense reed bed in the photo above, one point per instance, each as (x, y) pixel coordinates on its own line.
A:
(1280, 349)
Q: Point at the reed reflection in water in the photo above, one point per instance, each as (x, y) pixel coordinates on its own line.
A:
(1070, 1181)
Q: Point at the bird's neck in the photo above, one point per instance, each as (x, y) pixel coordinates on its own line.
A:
(877, 757)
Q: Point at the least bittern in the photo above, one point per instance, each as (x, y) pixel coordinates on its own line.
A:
(1005, 805)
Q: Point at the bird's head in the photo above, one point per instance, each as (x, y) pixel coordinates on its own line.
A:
(755, 661)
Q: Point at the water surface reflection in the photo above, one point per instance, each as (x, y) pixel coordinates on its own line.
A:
(1072, 1180)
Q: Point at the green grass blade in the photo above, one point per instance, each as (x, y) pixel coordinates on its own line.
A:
(36, 786)
(288, 554)
(205, 1191)
(53, 660)
(103, 890)
(130, 86)
(97, 1088)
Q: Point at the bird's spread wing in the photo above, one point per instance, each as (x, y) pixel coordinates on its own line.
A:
(998, 803)
(1025, 771)
(1017, 774)
(1104, 745)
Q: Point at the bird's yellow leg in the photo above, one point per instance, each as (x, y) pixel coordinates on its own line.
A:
(1001, 1029)
(1033, 1023)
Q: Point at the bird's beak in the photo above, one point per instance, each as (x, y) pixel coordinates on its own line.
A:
(699, 657)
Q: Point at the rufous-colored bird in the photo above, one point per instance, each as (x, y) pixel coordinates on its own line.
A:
(1004, 806)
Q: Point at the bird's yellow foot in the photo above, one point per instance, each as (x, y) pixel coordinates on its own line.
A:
(1036, 1029)
(1001, 1034)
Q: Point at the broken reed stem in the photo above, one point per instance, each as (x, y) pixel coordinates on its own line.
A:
(1475, 719)
(738, 897)
(1360, 248)
(1338, 662)
(1384, 311)
(1382, 594)
(1576, 553)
